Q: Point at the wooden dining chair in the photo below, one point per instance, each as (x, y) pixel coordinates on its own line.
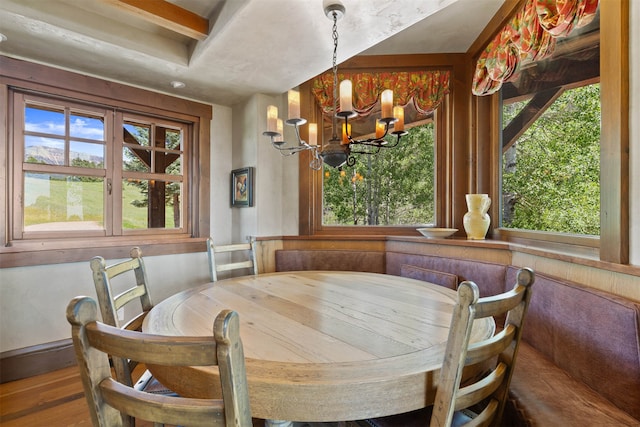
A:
(478, 401)
(131, 275)
(109, 399)
(246, 250)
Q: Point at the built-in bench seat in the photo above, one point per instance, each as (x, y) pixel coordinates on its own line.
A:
(344, 260)
(579, 359)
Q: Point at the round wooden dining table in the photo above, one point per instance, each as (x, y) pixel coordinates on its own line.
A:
(320, 345)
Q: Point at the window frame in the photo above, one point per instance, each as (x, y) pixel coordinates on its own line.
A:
(310, 188)
(613, 243)
(23, 99)
(21, 75)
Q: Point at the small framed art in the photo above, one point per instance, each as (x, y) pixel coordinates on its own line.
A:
(242, 187)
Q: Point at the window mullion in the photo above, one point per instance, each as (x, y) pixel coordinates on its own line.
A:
(114, 207)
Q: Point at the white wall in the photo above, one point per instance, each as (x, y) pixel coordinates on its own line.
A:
(33, 300)
(221, 155)
(275, 210)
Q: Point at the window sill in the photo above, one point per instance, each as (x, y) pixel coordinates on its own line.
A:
(29, 253)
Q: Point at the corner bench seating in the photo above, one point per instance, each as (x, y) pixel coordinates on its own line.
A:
(579, 360)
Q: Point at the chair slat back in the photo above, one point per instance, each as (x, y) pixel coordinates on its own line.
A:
(498, 353)
(247, 250)
(110, 303)
(109, 399)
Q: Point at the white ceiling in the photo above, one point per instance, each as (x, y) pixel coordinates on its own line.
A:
(253, 46)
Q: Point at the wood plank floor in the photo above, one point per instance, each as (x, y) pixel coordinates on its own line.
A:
(56, 399)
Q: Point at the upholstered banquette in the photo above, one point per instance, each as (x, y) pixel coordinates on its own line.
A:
(579, 361)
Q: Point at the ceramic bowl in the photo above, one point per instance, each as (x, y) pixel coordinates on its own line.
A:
(434, 233)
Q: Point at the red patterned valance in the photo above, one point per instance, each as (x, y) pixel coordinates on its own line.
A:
(529, 36)
(425, 89)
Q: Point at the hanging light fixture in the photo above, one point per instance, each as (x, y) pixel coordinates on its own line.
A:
(339, 150)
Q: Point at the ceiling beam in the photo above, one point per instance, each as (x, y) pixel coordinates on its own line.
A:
(167, 15)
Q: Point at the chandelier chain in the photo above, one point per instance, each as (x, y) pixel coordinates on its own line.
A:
(335, 75)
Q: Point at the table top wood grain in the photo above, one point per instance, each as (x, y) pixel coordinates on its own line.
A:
(320, 345)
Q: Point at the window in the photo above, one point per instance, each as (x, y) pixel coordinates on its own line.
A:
(394, 188)
(551, 139)
(95, 167)
(90, 171)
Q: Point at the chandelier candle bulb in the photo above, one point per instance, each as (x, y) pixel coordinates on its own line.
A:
(387, 102)
(379, 129)
(294, 104)
(346, 96)
(346, 131)
(313, 134)
(398, 113)
(280, 130)
(272, 118)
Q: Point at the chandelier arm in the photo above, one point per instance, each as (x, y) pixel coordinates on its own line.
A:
(375, 151)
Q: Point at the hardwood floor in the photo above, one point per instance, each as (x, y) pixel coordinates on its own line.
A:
(56, 399)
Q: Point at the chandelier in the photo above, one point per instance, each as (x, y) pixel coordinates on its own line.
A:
(339, 150)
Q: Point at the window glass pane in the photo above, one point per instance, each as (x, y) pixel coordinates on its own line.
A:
(44, 120)
(136, 160)
(136, 134)
(87, 127)
(55, 202)
(168, 163)
(41, 150)
(151, 204)
(551, 174)
(172, 139)
(86, 155)
(394, 187)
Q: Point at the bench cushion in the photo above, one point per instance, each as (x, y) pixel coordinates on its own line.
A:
(489, 277)
(546, 395)
(335, 260)
(439, 278)
(590, 334)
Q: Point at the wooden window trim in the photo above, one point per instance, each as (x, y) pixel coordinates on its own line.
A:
(613, 243)
(310, 188)
(39, 78)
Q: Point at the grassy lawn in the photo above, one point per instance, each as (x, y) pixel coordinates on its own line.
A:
(49, 201)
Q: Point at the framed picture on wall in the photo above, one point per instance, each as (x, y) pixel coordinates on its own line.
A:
(242, 187)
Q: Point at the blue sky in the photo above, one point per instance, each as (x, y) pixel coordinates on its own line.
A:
(53, 123)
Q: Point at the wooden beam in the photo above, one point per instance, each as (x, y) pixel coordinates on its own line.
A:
(167, 15)
(528, 115)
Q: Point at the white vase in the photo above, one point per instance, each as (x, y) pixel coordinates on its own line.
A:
(476, 221)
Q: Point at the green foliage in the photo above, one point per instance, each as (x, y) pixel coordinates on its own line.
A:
(140, 188)
(394, 187)
(53, 199)
(552, 181)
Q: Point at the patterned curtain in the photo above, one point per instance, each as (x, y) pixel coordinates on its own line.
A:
(425, 89)
(529, 36)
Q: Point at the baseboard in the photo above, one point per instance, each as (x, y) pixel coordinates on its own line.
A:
(35, 360)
